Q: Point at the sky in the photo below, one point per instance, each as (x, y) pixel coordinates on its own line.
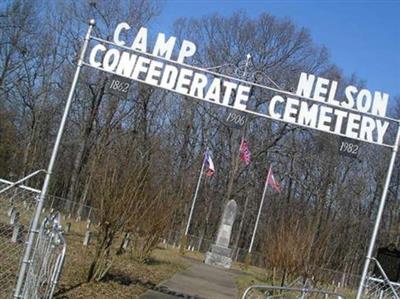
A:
(363, 37)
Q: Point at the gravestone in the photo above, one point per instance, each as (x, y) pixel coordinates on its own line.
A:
(67, 227)
(220, 254)
(127, 241)
(86, 240)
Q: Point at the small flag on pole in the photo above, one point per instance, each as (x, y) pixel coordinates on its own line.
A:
(272, 181)
(209, 163)
(244, 152)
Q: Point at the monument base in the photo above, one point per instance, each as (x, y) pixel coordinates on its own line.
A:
(219, 256)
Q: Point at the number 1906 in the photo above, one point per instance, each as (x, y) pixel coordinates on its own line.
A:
(236, 118)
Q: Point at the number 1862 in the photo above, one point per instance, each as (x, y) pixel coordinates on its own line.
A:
(120, 86)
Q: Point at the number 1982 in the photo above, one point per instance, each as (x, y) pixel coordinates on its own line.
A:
(349, 147)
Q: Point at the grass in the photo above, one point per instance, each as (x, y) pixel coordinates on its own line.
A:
(127, 277)
(252, 275)
(11, 253)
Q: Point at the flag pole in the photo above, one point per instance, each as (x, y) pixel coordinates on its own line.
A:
(195, 197)
(259, 212)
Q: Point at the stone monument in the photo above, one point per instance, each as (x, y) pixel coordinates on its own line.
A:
(220, 254)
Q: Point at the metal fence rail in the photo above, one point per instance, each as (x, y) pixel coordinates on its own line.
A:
(377, 288)
(269, 292)
(381, 287)
(64, 206)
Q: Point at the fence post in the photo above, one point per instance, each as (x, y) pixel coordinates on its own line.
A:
(88, 224)
(14, 217)
(10, 211)
(90, 212)
(52, 202)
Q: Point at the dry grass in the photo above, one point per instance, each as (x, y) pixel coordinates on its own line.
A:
(255, 275)
(250, 275)
(127, 278)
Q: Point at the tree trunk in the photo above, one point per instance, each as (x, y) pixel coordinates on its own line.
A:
(84, 145)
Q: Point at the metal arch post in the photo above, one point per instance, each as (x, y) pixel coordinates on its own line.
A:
(379, 216)
(35, 221)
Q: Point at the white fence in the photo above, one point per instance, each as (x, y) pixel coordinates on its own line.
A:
(17, 208)
(377, 288)
(47, 260)
(381, 287)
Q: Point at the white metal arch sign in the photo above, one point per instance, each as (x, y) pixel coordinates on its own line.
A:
(361, 115)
